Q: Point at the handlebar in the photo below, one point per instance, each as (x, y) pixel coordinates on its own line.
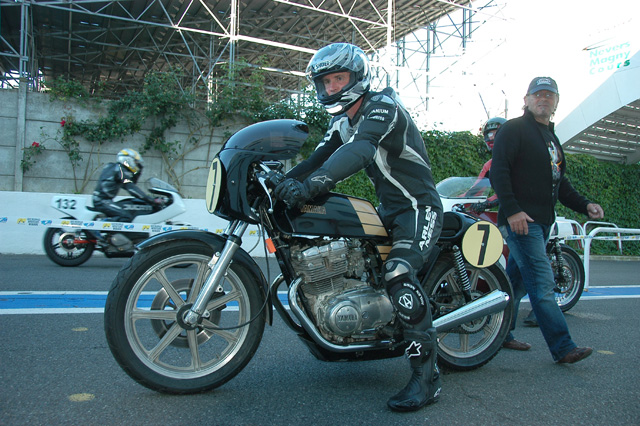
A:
(274, 178)
(269, 179)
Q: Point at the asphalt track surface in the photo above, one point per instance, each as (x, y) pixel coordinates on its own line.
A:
(56, 368)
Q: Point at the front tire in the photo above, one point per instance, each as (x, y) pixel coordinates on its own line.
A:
(68, 248)
(473, 344)
(153, 347)
(574, 276)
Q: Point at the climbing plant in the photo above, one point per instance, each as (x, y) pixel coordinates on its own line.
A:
(159, 106)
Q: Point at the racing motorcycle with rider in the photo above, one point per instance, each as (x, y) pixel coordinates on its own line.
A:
(90, 228)
(360, 284)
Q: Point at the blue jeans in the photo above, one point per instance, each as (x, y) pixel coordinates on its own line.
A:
(530, 273)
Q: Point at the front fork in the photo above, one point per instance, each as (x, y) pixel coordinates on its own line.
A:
(218, 265)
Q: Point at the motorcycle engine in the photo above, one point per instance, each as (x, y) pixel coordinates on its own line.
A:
(335, 285)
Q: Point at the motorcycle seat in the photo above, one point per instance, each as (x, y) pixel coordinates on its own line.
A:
(452, 226)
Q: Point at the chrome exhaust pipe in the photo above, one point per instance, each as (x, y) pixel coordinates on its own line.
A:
(488, 304)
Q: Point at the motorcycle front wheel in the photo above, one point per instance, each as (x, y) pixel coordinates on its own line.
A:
(67, 248)
(149, 340)
(572, 285)
(475, 343)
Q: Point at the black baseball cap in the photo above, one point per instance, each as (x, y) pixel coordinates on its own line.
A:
(542, 83)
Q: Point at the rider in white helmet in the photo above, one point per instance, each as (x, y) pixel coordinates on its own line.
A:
(124, 173)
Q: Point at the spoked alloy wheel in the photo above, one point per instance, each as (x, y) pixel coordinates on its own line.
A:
(574, 276)
(475, 343)
(68, 248)
(144, 327)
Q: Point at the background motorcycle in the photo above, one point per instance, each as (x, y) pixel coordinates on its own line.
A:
(460, 193)
(72, 246)
(191, 329)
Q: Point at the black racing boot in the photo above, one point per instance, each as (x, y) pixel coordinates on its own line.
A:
(424, 385)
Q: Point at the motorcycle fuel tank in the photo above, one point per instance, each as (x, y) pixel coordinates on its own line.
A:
(334, 215)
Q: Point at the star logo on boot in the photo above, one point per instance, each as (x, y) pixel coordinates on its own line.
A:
(413, 350)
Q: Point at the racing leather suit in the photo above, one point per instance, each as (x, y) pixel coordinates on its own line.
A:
(383, 139)
(113, 177)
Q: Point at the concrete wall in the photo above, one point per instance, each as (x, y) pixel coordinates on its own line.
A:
(27, 117)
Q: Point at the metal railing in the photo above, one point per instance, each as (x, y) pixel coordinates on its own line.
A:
(586, 240)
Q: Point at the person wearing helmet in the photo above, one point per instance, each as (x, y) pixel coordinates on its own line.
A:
(124, 173)
(489, 131)
(373, 131)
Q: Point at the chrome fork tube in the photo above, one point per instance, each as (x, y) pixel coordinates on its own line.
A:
(218, 265)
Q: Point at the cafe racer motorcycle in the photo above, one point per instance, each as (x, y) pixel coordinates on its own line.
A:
(188, 311)
(73, 245)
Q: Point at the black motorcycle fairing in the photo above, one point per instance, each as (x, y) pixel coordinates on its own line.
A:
(270, 140)
(217, 243)
(266, 141)
(333, 215)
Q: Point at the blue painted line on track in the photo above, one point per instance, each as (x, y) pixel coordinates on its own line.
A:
(23, 302)
(14, 302)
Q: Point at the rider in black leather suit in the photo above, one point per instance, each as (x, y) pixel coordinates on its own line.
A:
(122, 174)
(373, 131)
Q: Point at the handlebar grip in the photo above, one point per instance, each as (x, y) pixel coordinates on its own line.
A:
(274, 179)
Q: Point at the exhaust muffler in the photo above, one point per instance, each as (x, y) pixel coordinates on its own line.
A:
(491, 303)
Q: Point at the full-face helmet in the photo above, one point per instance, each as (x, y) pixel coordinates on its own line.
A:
(340, 57)
(130, 159)
(490, 128)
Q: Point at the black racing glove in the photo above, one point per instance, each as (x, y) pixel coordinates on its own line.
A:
(293, 192)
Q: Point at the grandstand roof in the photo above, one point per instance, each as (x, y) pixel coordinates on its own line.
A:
(118, 42)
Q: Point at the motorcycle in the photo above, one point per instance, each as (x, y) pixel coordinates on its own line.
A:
(74, 245)
(191, 329)
(461, 193)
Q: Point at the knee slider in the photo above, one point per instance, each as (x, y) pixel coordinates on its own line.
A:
(407, 296)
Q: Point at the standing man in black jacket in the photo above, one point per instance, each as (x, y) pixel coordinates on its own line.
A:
(528, 175)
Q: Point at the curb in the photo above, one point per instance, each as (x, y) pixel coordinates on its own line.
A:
(614, 258)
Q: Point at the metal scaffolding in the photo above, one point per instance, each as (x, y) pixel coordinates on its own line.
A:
(114, 44)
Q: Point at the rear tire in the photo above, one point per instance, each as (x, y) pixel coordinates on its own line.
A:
(63, 248)
(473, 344)
(150, 344)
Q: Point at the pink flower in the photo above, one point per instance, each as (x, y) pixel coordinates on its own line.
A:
(35, 145)
(62, 123)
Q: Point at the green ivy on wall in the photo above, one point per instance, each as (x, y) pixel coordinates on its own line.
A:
(160, 105)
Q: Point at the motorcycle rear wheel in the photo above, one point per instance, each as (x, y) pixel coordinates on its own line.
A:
(62, 247)
(149, 343)
(473, 344)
